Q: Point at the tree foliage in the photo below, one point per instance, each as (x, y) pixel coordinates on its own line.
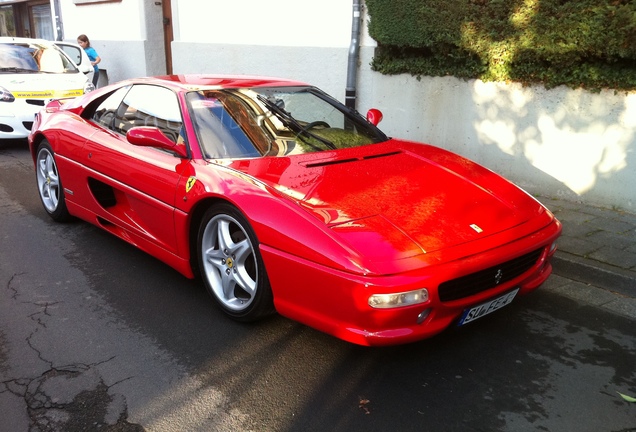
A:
(578, 43)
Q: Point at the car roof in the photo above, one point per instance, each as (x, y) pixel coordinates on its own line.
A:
(21, 40)
(190, 82)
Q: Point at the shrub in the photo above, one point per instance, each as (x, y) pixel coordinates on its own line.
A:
(578, 43)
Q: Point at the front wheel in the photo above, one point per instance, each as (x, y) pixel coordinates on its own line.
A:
(49, 183)
(231, 265)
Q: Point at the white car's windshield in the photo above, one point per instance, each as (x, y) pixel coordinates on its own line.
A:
(22, 58)
(275, 121)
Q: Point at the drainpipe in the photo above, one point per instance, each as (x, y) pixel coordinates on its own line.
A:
(57, 18)
(354, 48)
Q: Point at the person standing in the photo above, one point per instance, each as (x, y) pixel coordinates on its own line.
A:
(85, 43)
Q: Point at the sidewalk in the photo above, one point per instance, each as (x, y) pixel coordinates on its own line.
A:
(597, 246)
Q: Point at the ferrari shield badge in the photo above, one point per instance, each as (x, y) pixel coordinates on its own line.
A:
(190, 183)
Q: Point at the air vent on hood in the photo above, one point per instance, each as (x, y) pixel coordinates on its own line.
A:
(343, 161)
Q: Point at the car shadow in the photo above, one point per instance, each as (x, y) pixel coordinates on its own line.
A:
(13, 144)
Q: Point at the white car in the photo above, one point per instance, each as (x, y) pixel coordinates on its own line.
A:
(33, 72)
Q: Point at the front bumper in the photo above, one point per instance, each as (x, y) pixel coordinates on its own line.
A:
(337, 302)
(16, 118)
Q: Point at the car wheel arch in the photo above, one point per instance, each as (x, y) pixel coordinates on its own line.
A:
(36, 141)
(265, 233)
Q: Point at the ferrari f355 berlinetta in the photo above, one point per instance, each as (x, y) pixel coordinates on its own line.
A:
(284, 200)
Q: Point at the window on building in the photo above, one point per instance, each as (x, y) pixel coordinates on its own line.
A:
(42, 21)
(7, 23)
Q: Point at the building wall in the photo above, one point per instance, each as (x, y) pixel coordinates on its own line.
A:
(127, 35)
(325, 67)
(285, 38)
(561, 143)
(265, 23)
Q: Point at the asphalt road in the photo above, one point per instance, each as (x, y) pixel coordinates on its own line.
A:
(97, 336)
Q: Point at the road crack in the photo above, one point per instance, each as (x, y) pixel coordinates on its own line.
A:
(72, 398)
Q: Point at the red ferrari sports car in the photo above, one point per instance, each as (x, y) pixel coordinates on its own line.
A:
(284, 200)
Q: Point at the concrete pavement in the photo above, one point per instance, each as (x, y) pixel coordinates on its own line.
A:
(597, 250)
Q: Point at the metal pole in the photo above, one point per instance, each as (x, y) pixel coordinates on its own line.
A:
(354, 48)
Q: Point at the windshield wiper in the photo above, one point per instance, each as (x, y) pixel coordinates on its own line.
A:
(290, 122)
(16, 70)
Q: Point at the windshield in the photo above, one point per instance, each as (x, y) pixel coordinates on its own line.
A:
(23, 58)
(275, 121)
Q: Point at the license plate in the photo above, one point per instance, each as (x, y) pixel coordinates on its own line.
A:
(484, 309)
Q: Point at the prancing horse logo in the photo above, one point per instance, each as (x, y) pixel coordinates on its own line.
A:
(498, 276)
(191, 181)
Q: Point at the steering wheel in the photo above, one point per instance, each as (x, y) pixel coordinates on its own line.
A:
(305, 131)
(314, 124)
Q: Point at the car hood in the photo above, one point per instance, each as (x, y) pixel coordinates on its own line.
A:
(399, 199)
(44, 85)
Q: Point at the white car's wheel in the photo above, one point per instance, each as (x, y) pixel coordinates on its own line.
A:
(49, 183)
(231, 265)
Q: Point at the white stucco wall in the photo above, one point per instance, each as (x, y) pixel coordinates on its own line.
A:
(285, 38)
(324, 67)
(326, 23)
(562, 143)
(127, 35)
(105, 21)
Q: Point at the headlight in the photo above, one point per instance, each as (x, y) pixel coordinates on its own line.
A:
(396, 300)
(88, 87)
(6, 95)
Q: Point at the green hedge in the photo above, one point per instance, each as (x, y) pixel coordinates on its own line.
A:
(578, 43)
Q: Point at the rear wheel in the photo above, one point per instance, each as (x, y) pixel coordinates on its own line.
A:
(231, 265)
(49, 183)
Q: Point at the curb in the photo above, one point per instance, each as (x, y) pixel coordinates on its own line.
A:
(595, 273)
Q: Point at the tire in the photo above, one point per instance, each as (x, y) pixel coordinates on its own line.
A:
(49, 184)
(231, 265)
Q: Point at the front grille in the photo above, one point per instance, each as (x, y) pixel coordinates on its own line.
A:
(489, 278)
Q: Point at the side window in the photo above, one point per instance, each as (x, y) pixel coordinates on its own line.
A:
(221, 134)
(105, 113)
(73, 52)
(149, 105)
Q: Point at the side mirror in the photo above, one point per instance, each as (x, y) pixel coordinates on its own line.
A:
(146, 136)
(374, 116)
